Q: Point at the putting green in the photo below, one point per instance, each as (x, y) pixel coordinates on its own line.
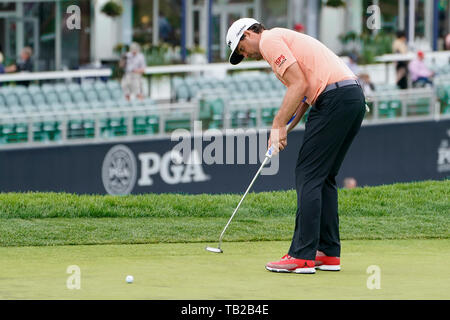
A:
(409, 269)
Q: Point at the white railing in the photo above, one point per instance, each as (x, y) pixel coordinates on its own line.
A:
(209, 67)
(55, 75)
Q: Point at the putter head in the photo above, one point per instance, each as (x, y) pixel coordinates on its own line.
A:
(215, 250)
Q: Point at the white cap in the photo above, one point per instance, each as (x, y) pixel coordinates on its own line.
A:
(234, 35)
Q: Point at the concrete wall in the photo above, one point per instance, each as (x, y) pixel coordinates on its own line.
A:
(108, 32)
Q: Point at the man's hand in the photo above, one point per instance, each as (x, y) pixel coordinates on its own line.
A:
(278, 138)
(139, 71)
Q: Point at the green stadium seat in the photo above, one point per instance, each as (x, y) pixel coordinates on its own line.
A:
(419, 107)
(145, 125)
(25, 100)
(395, 108)
(58, 107)
(100, 85)
(194, 90)
(17, 110)
(33, 88)
(11, 99)
(47, 87)
(243, 118)
(59, 87)
(64, 96)
(88, 128)
(84, 106)
(72, 87)
(178, 81)
(2, 101)
(4, 110)
(69, 106)
(153, 121)
(113, 85)
(91, 95)
(104, 95)
(37, 132)
(21, 132)
(140, 126)
(244, 87)
(119, 126)
(182, 93)
(384, 110)
(38, 98)
(18, 90)
(117, 94)
(96, 105)
(50, 130)
(31, 109)
(8, 133)
(111, 104)
(51, 97)
(75, 129)
(216, 112)
(78, 97)
(178, 120)
(44, 107)
(267, 116)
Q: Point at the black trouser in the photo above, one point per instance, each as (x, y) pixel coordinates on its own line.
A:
(332, 124)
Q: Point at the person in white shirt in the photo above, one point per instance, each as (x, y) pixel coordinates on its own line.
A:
(134, 64)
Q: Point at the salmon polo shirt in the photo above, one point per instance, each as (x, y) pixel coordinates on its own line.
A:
(320, 66)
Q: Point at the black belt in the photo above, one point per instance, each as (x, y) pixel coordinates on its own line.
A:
(339, 84)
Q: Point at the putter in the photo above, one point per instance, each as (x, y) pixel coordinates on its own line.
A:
(268, 156)
(218, 249)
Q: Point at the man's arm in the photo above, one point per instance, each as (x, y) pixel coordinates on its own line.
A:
(296, 88)
(11, 68)
(142, 65)
(301, 110)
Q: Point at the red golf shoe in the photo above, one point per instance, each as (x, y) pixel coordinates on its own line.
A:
(290, 264)
(326, 263)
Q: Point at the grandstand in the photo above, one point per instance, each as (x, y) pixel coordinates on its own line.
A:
(96, 109)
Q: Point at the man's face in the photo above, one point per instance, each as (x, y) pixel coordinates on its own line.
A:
(249, 46)
(24, 55)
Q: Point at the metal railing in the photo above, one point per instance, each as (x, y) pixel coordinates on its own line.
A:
(403, 105)
(91, 126)
(385, 107)
(55, 75)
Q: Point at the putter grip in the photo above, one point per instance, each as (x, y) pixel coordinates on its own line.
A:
(269, 152)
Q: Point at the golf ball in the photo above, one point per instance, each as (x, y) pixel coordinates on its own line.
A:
(129, 279)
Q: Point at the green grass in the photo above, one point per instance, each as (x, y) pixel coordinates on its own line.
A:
(409, 269)
(160, 240)
(401, 211)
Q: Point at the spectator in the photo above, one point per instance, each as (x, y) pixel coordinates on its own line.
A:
(299, 27)
(2, 67)
(400, 46)
(134, 65)
(420, 74)
(447, 42)
(366, 84)
(23, 65)
(350, 183)
(165, 29)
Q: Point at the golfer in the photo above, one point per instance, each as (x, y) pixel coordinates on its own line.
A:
(308, 69)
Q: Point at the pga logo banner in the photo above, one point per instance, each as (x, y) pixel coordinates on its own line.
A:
(119, 170)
